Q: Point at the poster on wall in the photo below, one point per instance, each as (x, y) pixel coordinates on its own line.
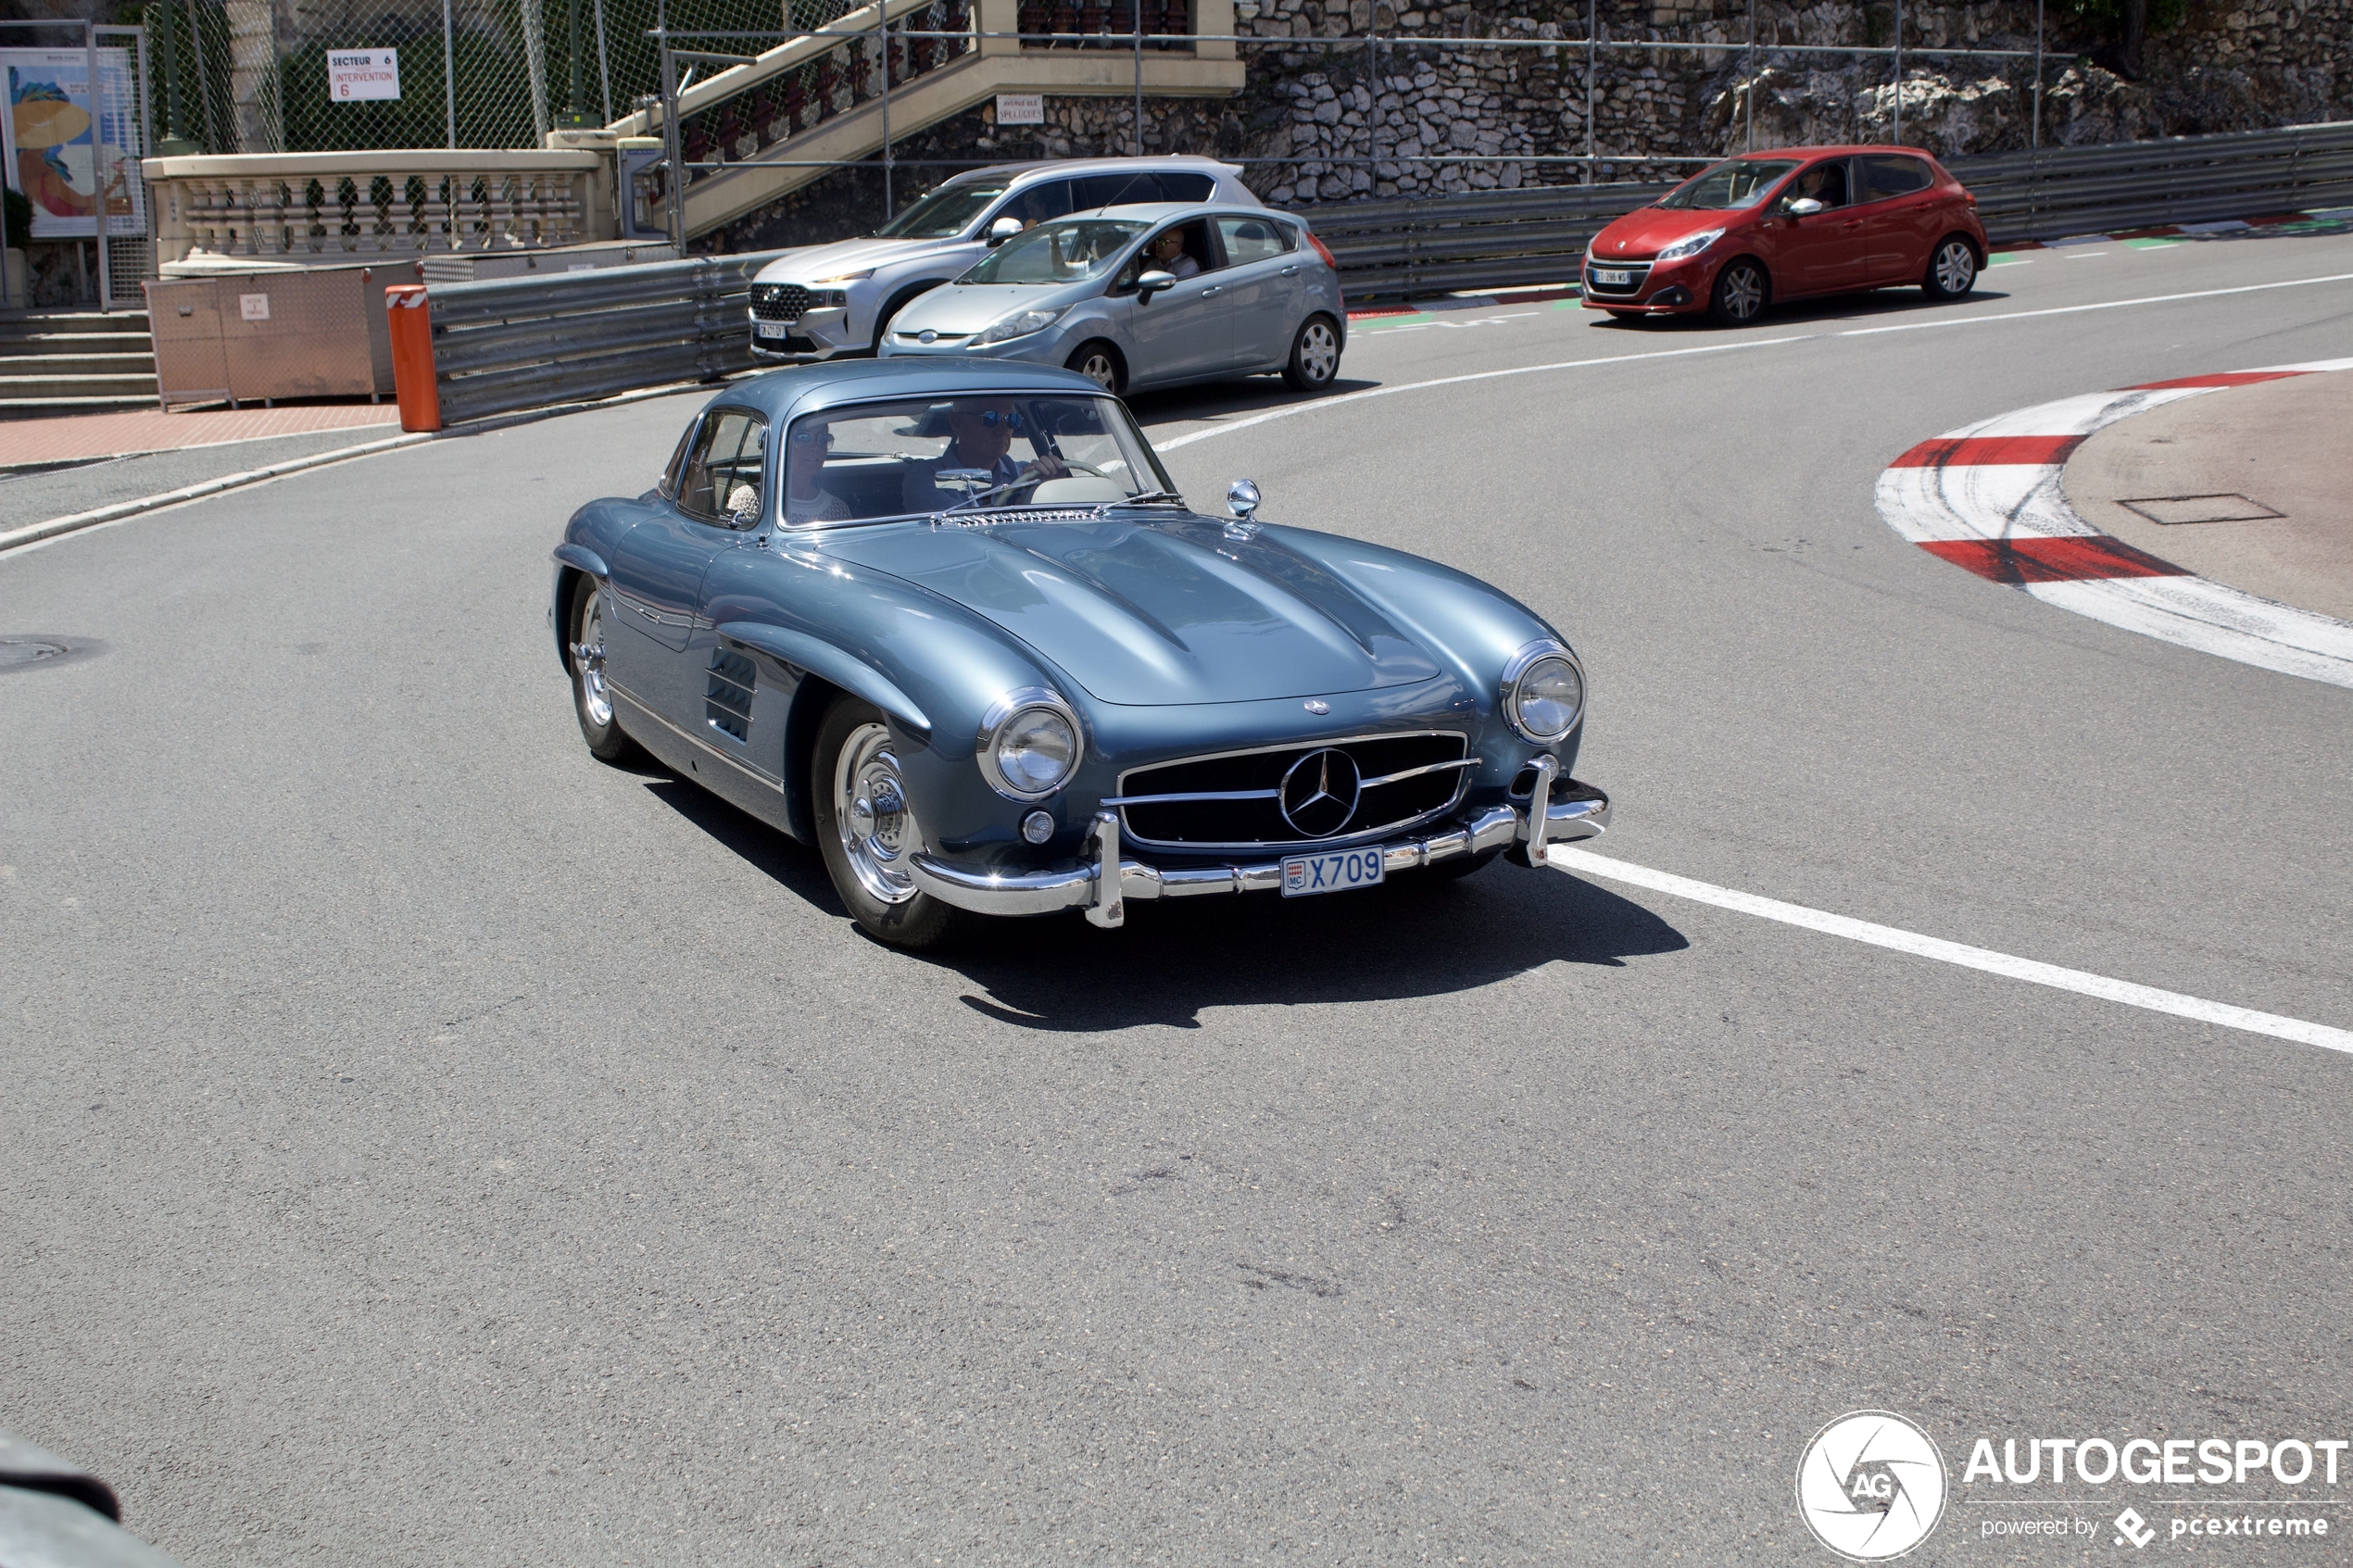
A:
(52, 135)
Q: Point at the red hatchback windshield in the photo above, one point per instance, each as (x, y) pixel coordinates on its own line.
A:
(1736, 182)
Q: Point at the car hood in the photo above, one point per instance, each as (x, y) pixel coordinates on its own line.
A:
(807, 265)
(1640, 235)
(967, 307)
(1155, 613)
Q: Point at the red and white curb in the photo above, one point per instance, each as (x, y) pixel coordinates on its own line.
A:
(1987, 497)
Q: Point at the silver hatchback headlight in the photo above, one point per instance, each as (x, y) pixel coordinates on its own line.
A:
(1543, 691)
(1030, 744)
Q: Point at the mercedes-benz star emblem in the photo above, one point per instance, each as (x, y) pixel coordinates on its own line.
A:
(1319, 793)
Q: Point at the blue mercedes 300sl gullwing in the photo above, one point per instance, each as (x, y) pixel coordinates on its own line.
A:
(952, 624)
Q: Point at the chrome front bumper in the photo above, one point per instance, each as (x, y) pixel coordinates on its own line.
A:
(1567, 810)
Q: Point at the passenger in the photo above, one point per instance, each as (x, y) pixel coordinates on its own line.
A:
(1169, 252)
(805, 500)
(983, 430)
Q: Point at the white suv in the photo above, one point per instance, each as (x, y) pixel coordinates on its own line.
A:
(836, 299)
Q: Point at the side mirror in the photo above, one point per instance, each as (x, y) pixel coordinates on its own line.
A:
(1153, 281)
(1003, 230)
(1241, 498)
(1805, 206)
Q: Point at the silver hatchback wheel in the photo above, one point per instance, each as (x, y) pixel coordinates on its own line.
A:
(1953, 271)
(1315, 356)
(878, 831)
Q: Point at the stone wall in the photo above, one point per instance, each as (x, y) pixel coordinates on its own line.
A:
(1338, 121)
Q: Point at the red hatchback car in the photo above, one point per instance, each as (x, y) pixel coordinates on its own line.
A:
(1785, 224)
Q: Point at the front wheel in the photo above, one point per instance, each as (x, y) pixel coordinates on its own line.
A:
(1315, 356)
(1952, 271)
(1741, 292)
(1098, 362)
(591, 699)
(866, 829)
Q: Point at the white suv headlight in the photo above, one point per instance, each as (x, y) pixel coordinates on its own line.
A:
(1543, 691)
(1021, 324)
(1690, 245)
(1030, 744)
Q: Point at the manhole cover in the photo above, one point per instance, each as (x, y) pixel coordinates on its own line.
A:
(28, 650)
(2200, 508)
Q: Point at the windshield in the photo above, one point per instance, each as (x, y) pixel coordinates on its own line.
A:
(1737, 182)
(921, 456)
(945, 212)
(1068, 251)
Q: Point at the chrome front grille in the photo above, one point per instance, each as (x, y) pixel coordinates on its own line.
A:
(1295, 794)
(780, 302)
(1638, 272)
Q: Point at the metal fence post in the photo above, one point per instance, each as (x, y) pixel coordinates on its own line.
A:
(2035, 135)
(449, 74)
(1896, 135)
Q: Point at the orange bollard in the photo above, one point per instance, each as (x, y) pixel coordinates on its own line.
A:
(412, 371)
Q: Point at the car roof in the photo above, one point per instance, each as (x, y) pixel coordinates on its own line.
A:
(795, 390)
(1189, 162)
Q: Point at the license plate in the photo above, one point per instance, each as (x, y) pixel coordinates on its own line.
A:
(1303, 875)
(1611, 275)
(764, 330)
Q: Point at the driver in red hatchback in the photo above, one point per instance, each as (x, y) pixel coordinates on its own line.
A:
(1787, 224)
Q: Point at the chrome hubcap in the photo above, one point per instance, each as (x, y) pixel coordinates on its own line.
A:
(870, 812)
(1743, 292)
(1956, 267)
(1097, 367)
(588, 658)
(1318, 352)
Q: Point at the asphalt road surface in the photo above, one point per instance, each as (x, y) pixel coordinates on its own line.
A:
(427, 1145)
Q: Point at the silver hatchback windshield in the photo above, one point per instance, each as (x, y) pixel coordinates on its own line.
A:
(1070, 250)
(987, 451)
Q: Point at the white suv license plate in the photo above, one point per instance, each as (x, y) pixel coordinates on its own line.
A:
(1611, 275)
(1303, 875)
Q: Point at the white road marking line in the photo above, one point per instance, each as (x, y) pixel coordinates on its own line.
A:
(2103, 304)
(1285, 413)
(2078, 980)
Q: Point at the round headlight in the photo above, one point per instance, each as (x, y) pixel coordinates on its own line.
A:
(1029, 745)
(1545, 694)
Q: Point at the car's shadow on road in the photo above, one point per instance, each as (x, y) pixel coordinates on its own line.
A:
(1416, 937)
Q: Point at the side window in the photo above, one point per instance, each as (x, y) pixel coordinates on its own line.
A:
(1042, 203)
(1187, 187)
(1894, 176)
(724, 469)
(1253, 239)
(1826, 183)
(1121, 189)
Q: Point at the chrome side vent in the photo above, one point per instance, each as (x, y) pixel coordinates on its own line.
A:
(726, 701)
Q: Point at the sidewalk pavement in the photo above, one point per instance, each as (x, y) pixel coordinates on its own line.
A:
(2245, 486)
(68, 438)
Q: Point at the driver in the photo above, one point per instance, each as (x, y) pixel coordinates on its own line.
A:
(1169, 251)
(983, 429)
(805, 499)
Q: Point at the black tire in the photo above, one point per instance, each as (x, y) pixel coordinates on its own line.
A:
(1461, 866)
(591, 702)
(853, 748)
(1315, 354)
(1741, 294)
(1952, 269)
(1100, 363)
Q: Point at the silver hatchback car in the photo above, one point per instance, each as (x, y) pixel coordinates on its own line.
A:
(1144, 297)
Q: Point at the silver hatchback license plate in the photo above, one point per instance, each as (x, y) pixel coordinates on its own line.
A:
(1611, 275)
(1303, 875)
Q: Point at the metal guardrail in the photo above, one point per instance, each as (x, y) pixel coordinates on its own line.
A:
(1503, 238)
(523, 342)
